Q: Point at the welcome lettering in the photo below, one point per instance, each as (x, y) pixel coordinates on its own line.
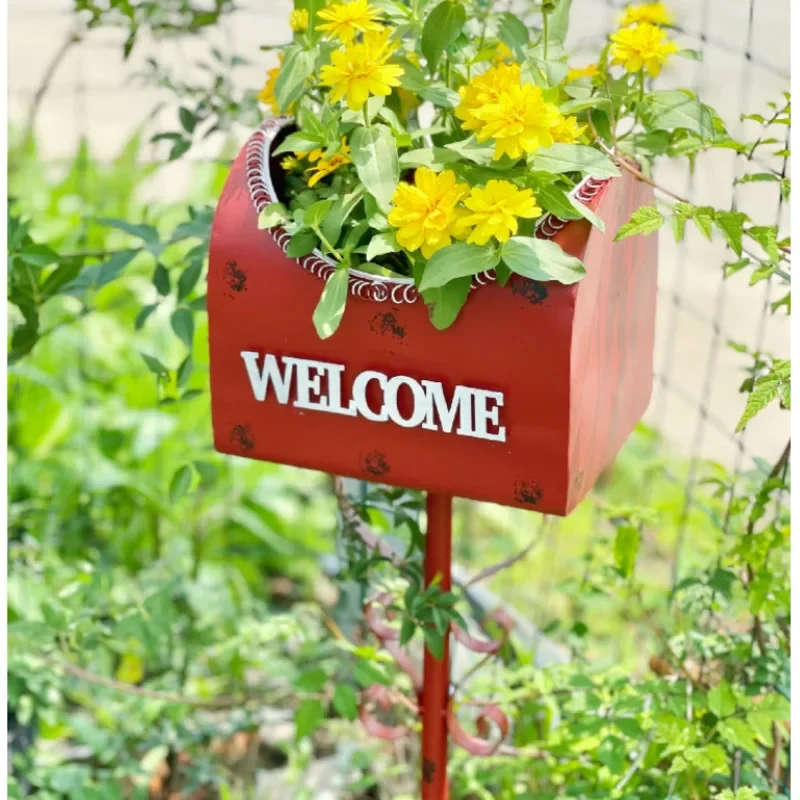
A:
(317, 386)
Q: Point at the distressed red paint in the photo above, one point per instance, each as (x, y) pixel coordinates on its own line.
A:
(575, 367)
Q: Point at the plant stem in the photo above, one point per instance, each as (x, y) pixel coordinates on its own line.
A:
(544, 33)
(366, 117)
(331, 249)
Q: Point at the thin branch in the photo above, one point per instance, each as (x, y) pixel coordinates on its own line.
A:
(634, 768)
(623, 162)
(153, 694)
(41, 91)
(505, 563)
(360, 528)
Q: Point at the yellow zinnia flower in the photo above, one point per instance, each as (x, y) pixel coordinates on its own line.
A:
(484, 90)
(567, 130)
(360, 70)
(313, 155)
(425, 214)
(520, 121)
(345, 20)
(654, 13)
(642, 47)
(267, 94)
(589, 71)
(325, 166)
(298, 20)
(495, 209)
(289, 163)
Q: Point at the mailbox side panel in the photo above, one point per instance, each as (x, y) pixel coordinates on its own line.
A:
(613, 338)
(514, 340)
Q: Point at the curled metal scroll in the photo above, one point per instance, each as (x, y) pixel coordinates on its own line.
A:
(380, 696)
(479, 745)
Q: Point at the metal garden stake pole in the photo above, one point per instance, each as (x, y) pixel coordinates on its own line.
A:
(436, 674)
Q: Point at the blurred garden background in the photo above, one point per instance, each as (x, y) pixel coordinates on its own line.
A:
(188, 625)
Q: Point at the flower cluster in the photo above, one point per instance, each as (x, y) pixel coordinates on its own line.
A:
(410, 155)
(497, 105)
(360, 70)
(428, 214)
(641, 42)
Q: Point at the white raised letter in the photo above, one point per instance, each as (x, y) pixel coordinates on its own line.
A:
(437, 406)
(484, 414)
(359, 402)
(420, 409)
(259, 380)
(307, 382)
(335, 392)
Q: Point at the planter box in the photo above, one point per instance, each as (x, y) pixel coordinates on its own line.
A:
(524, 401)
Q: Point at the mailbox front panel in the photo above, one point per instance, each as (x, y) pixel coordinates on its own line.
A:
(480, 410)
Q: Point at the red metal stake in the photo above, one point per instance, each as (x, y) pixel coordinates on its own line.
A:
(436, 680)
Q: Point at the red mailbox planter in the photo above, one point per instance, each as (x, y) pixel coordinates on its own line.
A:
(523, 401)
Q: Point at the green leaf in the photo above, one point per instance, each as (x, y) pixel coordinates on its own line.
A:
(330, 309)
(313, 680)
(767, 237)
(457, 261)
(446, 302)
(155, 366)
(703, 218)
(767, 388)
(374, 154)
(668, 110)
(431, 157)
(184, 371)
(472, 150)
(367, 674)
(381, 244)
(587, 213)
(440, 95)
(317, 212)
(722, 700)
(297, 67)
(574, 158)
(145, 232)
(182, 322)
(556, 201)
(110, 270)
(303, 243)
(180, 483)
(38, 255)
(558, 22)
(441, 29)
(434, 643)
(626, 546)
(731, 223)
(738, 733)
(143, 314)
(513, 33)
(187, 118)
(407, 631)
(308, 718)
(761, 724)
(345, 701)
(541, 260)
(299, 142)
(274, 214)
(630, 727)
(644, 220)
(188, 279)
(161, 279)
